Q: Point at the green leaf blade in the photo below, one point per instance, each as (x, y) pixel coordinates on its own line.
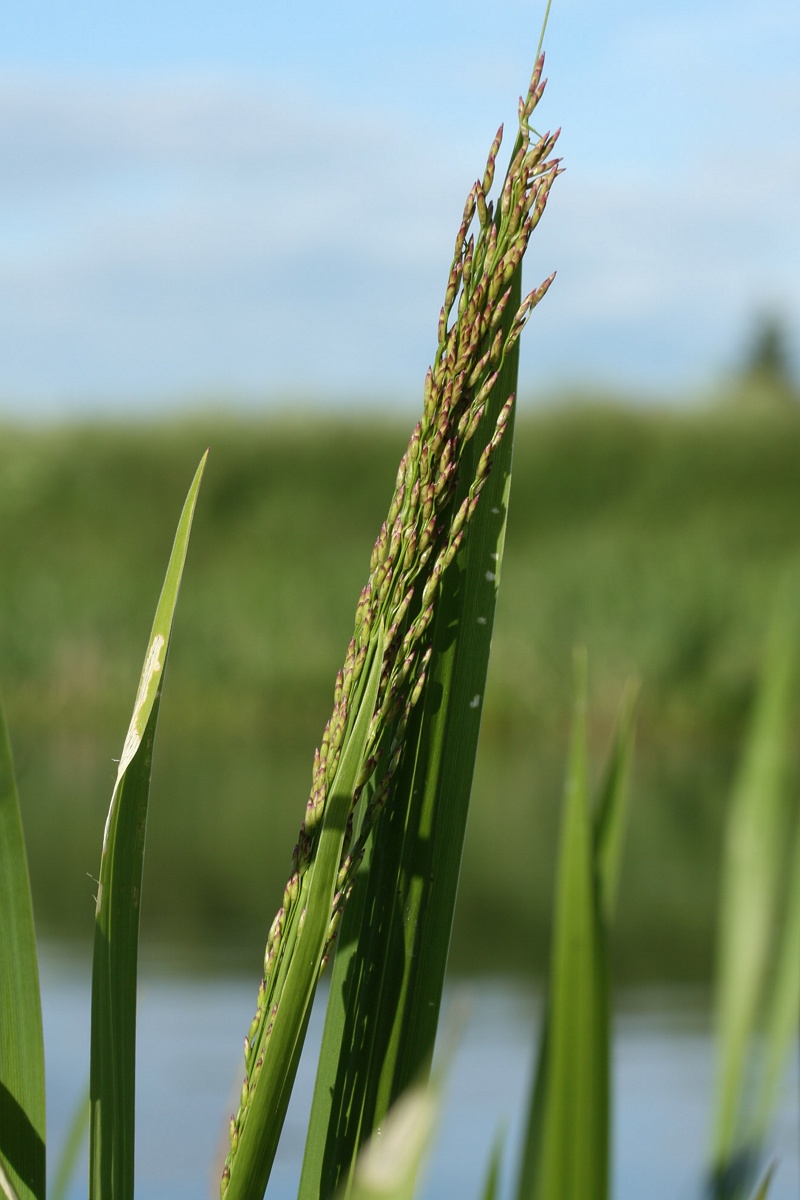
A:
(566, 1148)
(754, 873)
(259, 1138)
(575, 1136)
(388, 1165)
(22, 1080)
(491, 1186)
(116, 941)
(73, 1144)
(783, 1007)
(611, 810)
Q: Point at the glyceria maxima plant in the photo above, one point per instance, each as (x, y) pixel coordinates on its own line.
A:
(373, 737)
(376, 865)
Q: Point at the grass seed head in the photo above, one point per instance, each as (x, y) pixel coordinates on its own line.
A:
(422, 535)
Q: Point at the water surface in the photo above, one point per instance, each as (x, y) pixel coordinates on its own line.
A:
(190, 1062)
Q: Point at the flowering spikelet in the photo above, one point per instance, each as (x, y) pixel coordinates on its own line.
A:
(419, 539)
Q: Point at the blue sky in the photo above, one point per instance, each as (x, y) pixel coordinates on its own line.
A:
(255, 202)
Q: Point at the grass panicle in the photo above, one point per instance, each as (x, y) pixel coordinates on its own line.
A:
(390, 964)
(417, 543)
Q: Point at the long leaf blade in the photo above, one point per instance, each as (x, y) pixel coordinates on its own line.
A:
(611, 809)
(566, 1143)
(74, 1142)
(387, 1166)
(764, 1186)
(753, 870)
(575, 1136)
(114, 966)
(783, 1005)
(491, 1186)
(280, 1055)
(22, 1094)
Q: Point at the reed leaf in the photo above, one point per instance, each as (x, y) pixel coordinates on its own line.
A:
(70, 1151)
(22, 1083)
(753, 887)
(492, 1183)
(277, 1054)
(565, 1154)
(388, 1164)
(763, 1188)
(783, 1004)
(611, 809)
(6, 1186)
(575, 1133)
(116, 940)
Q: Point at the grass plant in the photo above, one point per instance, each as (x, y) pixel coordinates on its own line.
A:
(375, 870)
(758, 979)
(423, 631)
(112, 1090)
(566, 1151)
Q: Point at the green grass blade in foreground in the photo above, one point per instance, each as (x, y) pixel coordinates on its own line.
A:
(764, 1186)
(753, 871)
(388, 1165)
(6, 1186)
(22, 1096)
(783, 1005)
(565, 1152)
(611, 810)
(276, 1069)
(492, 1184)
(113, 1027)
(71, 1150)
(575, 1134)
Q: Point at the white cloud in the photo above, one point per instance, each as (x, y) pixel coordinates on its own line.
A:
(149, 223)
(189, 233)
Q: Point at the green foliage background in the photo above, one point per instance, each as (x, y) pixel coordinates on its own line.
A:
(656, 540)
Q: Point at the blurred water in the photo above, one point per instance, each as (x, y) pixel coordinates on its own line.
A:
(190, 1046)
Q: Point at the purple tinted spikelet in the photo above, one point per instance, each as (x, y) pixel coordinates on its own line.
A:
(488, 175)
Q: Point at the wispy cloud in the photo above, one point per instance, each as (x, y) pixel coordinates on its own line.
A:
(197, 234)
(192, 232)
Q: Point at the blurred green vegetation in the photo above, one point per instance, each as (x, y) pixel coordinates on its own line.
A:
(658, 540)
